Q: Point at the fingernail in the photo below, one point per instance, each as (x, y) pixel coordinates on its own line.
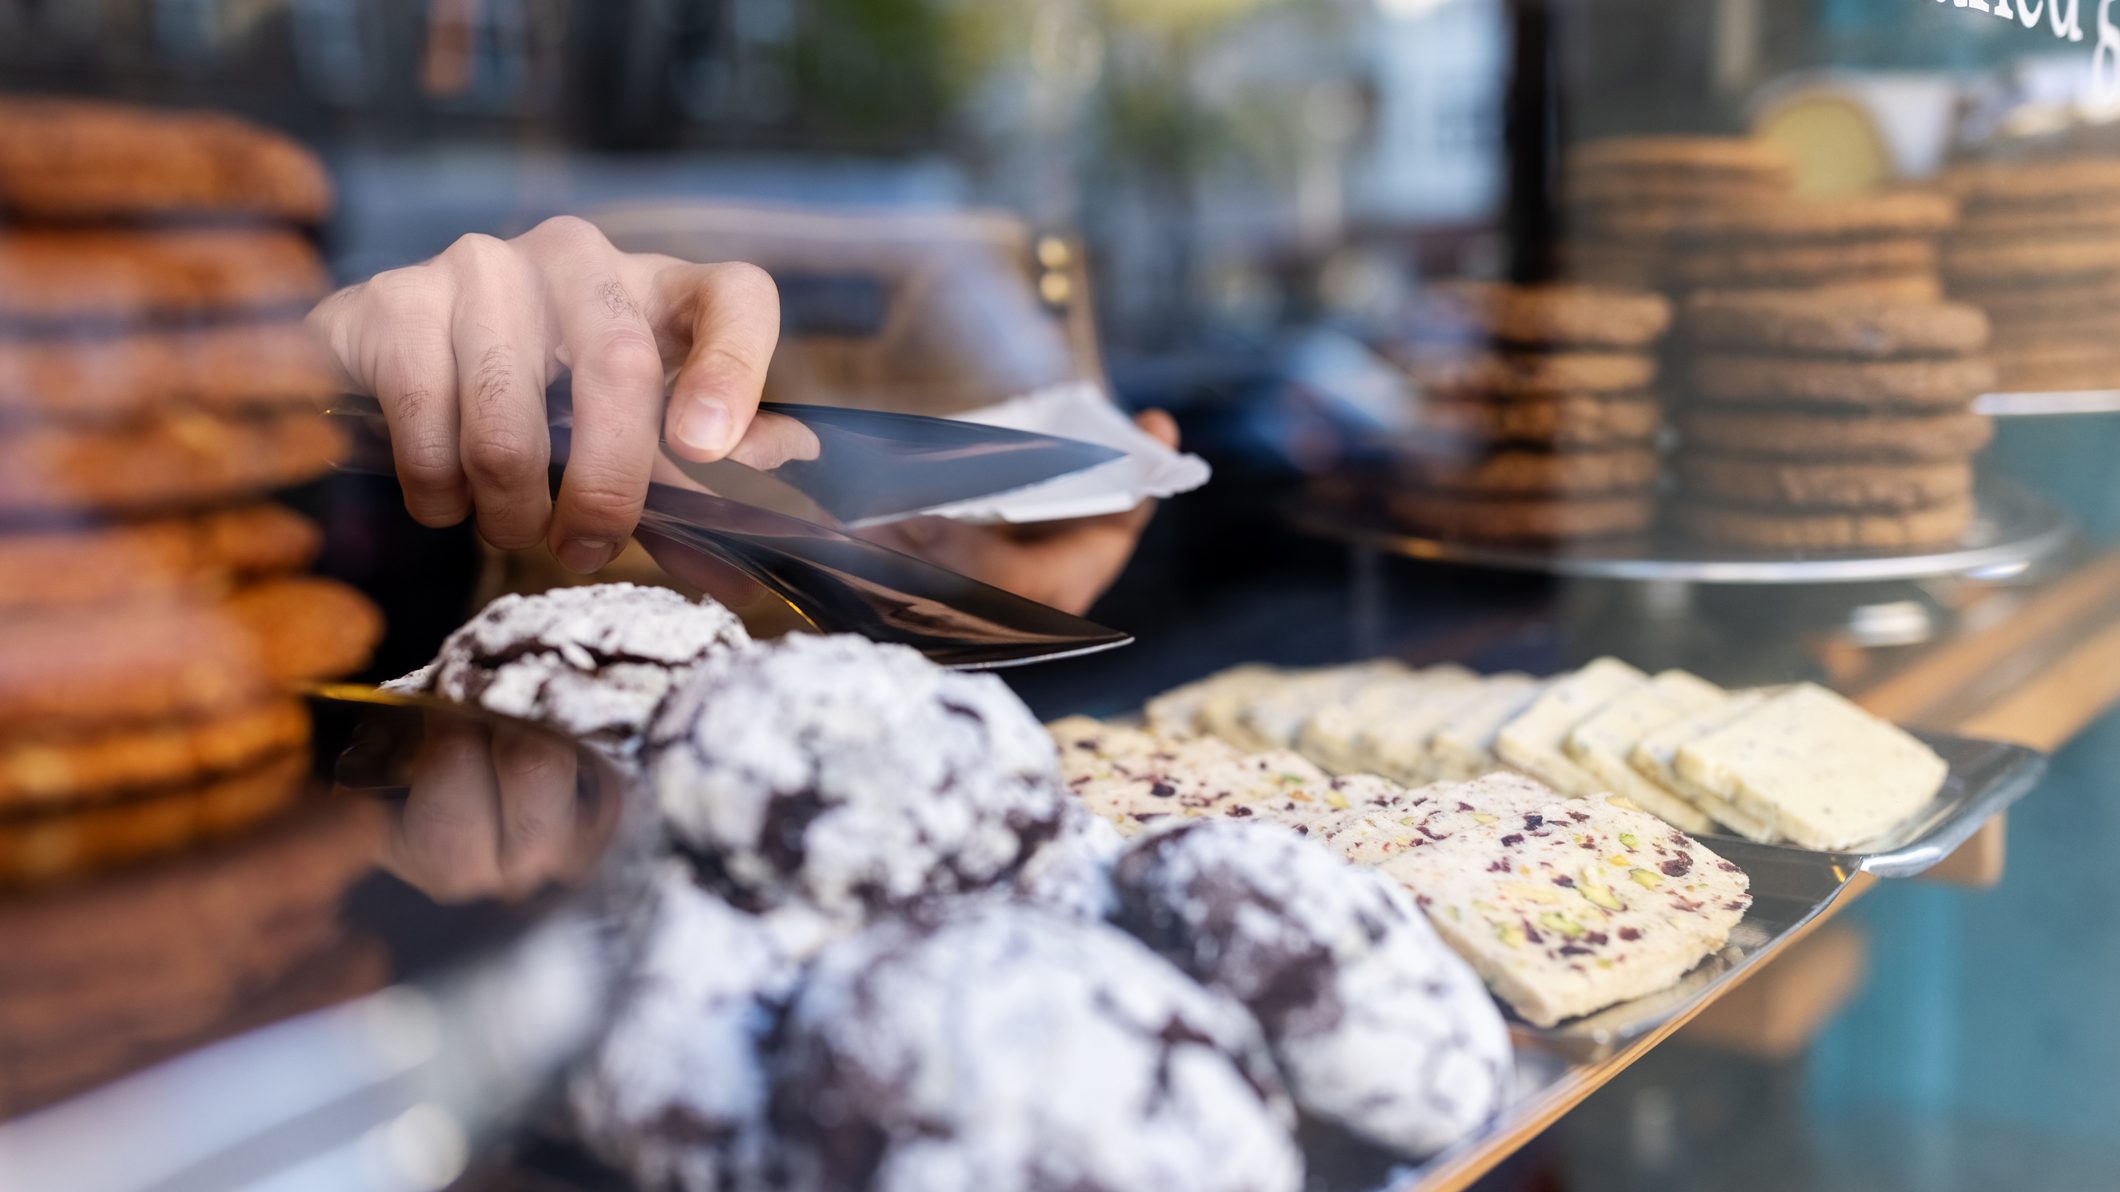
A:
(584, 555)
(703, 426)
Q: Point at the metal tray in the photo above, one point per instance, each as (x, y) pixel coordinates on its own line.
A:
(2012, 528)
(1790, 888)
(1792, 885)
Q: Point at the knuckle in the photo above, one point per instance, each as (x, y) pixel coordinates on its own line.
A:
(475, 249)
(602, 504)
(627, 354)
(746, 284)
(428, 460)
(570, 231)
(409, 295)
(498, 456)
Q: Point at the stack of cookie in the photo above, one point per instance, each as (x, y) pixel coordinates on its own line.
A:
(1830, 421)
(155, 381)
(2038, 248)
(1537, 419)
(1624, 195)
(1884, 244)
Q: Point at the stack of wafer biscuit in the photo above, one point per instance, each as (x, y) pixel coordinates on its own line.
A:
(1624, 195)
(2038, 248)
(1538, 417)
(155, 383)
(1829, 421)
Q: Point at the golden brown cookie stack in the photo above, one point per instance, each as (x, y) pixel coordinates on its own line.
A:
(1538, 417)
(1885, 244)
(1829, 421)
(2038, 248)
(155, 383)
(1625, 195)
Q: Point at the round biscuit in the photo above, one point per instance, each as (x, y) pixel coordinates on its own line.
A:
(224, 368)
(1835, 531)
(1803, 435)
(1840, 324)
(1941, 382)
(79, 159)
(81, 565)
(1844, 484)
(1801, 262)
(97, 762)
(1478, 519)
(178, 459)
(104, 276)
(1553, 314)
(1514, 472)
(1500, 373)
(73, 843)
(1576, 420)
(307, 627)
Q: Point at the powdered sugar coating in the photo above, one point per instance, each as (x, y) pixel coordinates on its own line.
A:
(676, 1093)
(1377, 1025)
(1072, 874)
(996, 1047)
(592, 662)
(850, 774)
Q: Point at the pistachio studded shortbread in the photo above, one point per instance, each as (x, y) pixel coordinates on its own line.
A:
(1601, 743)
(1828, 774)
(1655, 756)
(1138, 780)
(1462, 746)
(1533, 742)
(1566, 906)
(1384, 726)
(1176, 713)
(1274, 716)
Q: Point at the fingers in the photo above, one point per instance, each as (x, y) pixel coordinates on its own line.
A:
(535, 774)
(775, 439)
(731, 313)
(604, 337)
(1160, 426)
(391, 337)
(448, 839)
(459, 350)
(1067, 565)
(506, 445)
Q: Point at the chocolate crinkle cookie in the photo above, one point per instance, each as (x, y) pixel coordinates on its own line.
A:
(1379, 1028)
(592, 662)
(995, 1046)
(1072, 873)
(675, 1096)
(850, 775)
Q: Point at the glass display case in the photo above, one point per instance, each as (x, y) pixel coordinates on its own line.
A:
(1391, 446)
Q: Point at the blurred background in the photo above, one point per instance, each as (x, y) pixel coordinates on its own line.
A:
(1223, 208)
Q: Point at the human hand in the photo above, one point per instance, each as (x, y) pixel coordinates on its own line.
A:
(493, 811)
(459, 350)
(1065, 564)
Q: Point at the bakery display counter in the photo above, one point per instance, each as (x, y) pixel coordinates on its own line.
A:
(2045, 664)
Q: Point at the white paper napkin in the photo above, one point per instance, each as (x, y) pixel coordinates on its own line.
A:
(1079, 410)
